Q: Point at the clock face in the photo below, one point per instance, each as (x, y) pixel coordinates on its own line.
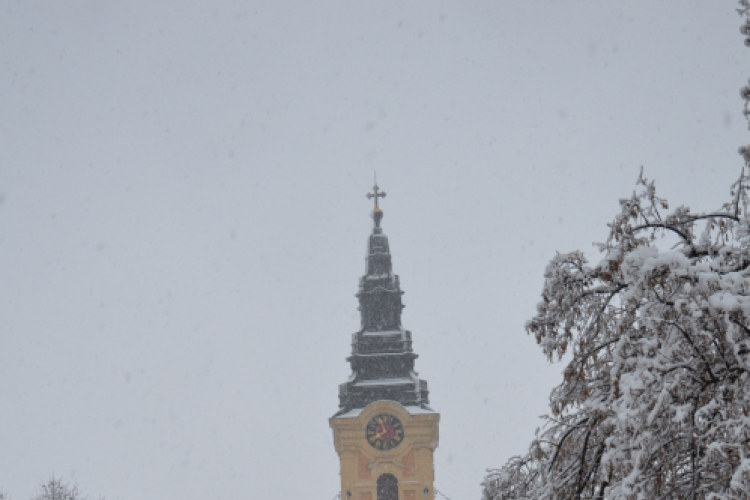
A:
(384, 432)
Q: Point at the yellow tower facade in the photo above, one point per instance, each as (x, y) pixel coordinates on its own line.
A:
(373, 469)
(384, 431)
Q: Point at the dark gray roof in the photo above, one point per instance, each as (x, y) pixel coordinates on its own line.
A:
(382, 358)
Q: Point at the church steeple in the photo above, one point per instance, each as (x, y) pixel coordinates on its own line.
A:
(384, 432)
(382, 358)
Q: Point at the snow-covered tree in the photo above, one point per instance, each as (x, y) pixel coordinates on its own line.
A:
(655, 400)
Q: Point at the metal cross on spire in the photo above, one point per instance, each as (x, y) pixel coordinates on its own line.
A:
(377, 214)
(377, 194)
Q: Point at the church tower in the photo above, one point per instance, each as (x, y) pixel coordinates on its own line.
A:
(384, 432)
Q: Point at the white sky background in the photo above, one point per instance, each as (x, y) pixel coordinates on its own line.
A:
(183, 220)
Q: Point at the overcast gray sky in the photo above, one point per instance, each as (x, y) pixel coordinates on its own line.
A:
(183, 220)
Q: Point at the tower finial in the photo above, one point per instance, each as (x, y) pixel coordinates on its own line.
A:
(377, 213)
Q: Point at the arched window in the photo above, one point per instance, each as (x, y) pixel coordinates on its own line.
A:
(387, 487)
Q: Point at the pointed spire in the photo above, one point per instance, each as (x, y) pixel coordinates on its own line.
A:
(382, 358)
(385, 312)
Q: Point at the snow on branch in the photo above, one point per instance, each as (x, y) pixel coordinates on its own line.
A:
(655, 399)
